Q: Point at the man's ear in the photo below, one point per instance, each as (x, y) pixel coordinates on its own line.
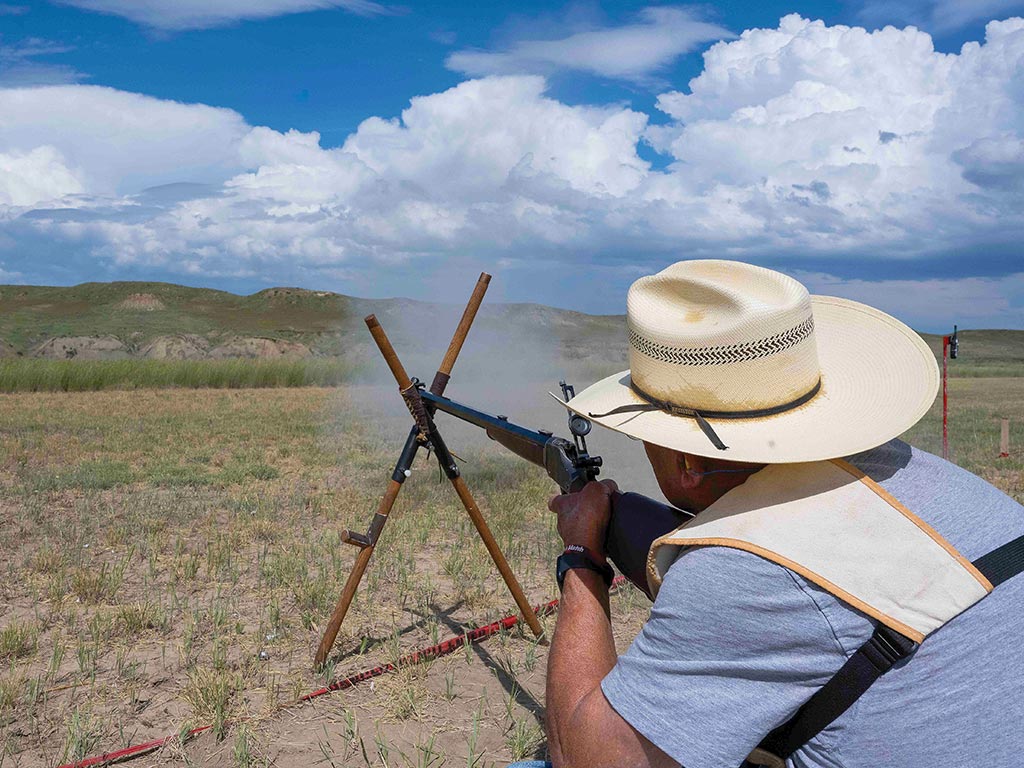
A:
(691, 471)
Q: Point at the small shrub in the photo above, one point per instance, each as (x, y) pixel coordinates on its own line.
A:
(209, 692)
(523, 739)
(47, 559)
(11, 687)
(133, 620)
(84, 732)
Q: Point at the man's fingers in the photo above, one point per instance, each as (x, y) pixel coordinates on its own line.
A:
(562, 501)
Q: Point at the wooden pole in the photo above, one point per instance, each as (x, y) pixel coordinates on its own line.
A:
(945, 399)
(459, 337)
(1004, 440)
(388, 351)
(367, 543)
(497, 556)
(348, 592)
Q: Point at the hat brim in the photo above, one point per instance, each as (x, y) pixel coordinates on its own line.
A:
(878, 378)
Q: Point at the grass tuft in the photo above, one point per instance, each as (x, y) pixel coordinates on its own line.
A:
(18, 640)
(209, 692)
(93, 585)
(89, 475)
(133, 620)
(11, 687)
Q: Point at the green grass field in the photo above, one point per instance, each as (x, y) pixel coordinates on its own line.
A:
(29, 375)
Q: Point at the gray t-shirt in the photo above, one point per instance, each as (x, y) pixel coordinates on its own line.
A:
(735, 644)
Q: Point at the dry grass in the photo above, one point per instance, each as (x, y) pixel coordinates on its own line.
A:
(175, 555)
(171, 558)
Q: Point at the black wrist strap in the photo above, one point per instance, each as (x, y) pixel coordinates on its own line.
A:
(578, 557)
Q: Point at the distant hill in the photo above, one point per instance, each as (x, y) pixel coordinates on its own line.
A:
(136, 313)
(146, 319)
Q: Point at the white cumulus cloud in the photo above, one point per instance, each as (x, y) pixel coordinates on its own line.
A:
(816, 148)
(465, 142)
(118, 142)
(868, 132)
(37, 175)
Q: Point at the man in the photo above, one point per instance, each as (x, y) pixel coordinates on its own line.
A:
(737, 378)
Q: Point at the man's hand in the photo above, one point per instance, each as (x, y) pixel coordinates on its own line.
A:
(583, 728)
(583, 516)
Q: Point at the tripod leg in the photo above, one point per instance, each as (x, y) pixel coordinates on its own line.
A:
(352, 583)
(348, 592)
(496, 555)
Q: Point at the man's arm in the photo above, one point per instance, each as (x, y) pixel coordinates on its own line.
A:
(583, 729)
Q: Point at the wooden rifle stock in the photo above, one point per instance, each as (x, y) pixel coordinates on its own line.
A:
(532, 451)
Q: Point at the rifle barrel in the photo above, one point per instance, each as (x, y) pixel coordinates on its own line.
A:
(562, 460)
(481, 419)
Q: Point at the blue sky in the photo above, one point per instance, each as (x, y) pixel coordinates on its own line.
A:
(871, 149)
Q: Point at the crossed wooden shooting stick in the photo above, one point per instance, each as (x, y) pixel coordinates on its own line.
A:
(424, 433)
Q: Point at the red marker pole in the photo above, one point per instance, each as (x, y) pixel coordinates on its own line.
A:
(945, 400)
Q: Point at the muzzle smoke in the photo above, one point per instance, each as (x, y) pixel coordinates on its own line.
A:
(514, 355)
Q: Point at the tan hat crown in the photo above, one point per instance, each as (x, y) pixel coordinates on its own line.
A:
(722, 336)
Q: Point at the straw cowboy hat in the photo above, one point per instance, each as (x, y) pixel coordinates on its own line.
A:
(739, 362)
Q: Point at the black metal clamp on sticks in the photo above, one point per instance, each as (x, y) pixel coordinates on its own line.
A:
(424, 433)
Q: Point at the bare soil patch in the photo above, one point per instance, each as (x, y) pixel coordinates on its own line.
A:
(83, 348)
(141, 302)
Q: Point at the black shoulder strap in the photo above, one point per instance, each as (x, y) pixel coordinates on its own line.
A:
(867, 664)
(1003, 562)
(873, 659)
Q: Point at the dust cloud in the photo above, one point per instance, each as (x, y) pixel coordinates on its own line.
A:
(513, 356)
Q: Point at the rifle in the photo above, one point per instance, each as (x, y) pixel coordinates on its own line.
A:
(636, 520)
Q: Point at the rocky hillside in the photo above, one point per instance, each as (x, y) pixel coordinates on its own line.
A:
(165, 321)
